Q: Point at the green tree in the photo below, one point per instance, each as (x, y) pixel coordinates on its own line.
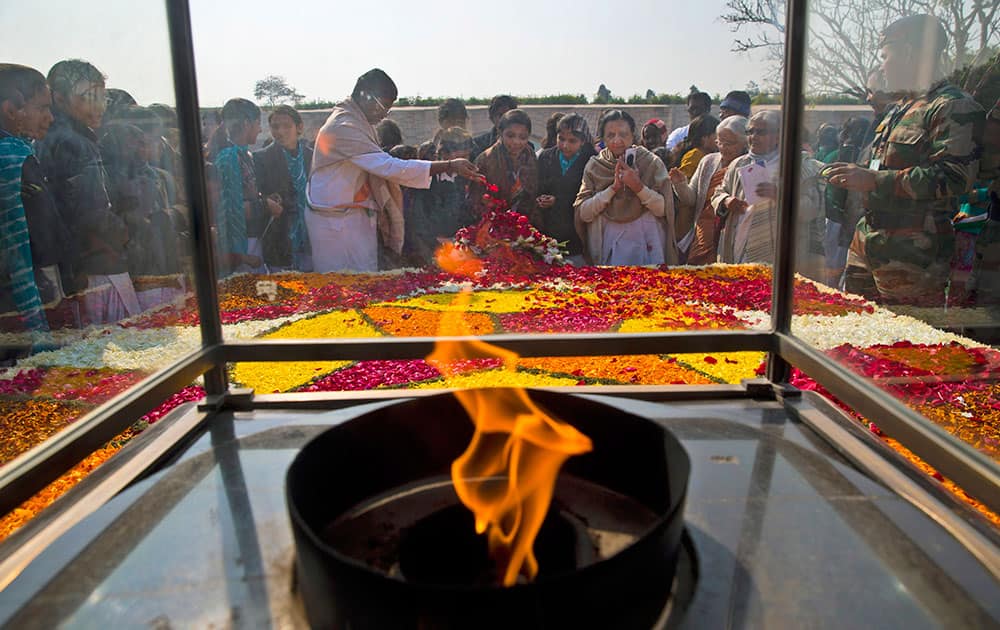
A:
(603, 95)
(273, 90)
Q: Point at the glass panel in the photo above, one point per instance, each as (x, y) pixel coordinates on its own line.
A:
(895, 216)
(96, 228)
(533, 275)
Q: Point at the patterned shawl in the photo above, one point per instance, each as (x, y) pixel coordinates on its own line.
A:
(232, 219)
(517, 179)
(16, 268)
(625, 206)
(297, 171)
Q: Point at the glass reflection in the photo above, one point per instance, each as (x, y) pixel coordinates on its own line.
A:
(95, 226)
(909, 200)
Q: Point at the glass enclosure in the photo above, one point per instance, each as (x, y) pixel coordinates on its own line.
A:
(568, 175)
(97, 227)
(894, 208)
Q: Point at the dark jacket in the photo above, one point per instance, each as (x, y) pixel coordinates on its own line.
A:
(51, 243)
(435, 213)
(271, 169)
(482, 142)
(139, 195)
(551, 181)
(72, 163)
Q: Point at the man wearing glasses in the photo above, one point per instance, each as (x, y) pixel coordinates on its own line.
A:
(925, 154)
(354, 191)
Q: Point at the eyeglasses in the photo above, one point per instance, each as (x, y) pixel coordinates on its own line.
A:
(758, 132)
(385, 110)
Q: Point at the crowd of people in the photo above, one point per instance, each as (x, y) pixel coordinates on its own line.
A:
(92, 198)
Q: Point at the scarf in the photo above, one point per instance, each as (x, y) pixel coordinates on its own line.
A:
(599, 174)
(347, 134)
(16, 268)
(297, 171)
(232, 224)
(704, 249)
(516, 177)
(564, 164)
(765, 159)
(625, 206)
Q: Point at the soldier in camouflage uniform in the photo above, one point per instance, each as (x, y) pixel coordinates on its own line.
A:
(986, 268)
(925, 154)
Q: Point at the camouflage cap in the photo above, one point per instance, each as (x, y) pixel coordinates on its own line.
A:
(921, 31)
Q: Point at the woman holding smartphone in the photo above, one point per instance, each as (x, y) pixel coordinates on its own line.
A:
(625, 207)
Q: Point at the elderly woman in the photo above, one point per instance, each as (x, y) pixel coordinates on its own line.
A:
(696, 218)
(625, 207)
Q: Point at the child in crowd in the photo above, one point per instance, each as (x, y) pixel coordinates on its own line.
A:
(551, 129)
(451, 113)
(511, 165)
(282, 171)
(404, 152)
(435, 214)
(654, 134)
(427, 151)
(499, 105)
(33, 241)
(71, 160)
(388, 133)
(560, 171)
(699, 142)
(138, 193)
(242, 216)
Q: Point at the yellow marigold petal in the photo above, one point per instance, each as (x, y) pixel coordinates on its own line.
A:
(629, 369)
(335, 324)
(497, 378)
(728, 367)
(272, 377)
(647, 324)
(481, 301)
(412, 322)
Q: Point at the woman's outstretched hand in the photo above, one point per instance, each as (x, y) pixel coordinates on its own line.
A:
(677, 178)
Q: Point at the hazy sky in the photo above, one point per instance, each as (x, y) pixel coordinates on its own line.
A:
(430, 48)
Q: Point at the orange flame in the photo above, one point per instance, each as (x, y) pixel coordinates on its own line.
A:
(507, 474)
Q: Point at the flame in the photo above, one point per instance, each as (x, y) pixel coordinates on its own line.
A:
(507, 475)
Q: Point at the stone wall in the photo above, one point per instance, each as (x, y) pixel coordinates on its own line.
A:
(419, 123)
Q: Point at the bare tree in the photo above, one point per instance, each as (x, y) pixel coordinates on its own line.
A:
(843, 35)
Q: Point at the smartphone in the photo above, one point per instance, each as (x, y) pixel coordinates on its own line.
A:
(630, 157)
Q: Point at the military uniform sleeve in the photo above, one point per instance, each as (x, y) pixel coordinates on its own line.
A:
(989, 165)
(950, 135)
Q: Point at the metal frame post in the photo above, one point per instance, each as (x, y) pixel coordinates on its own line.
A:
(189, 121)
(783, 273)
